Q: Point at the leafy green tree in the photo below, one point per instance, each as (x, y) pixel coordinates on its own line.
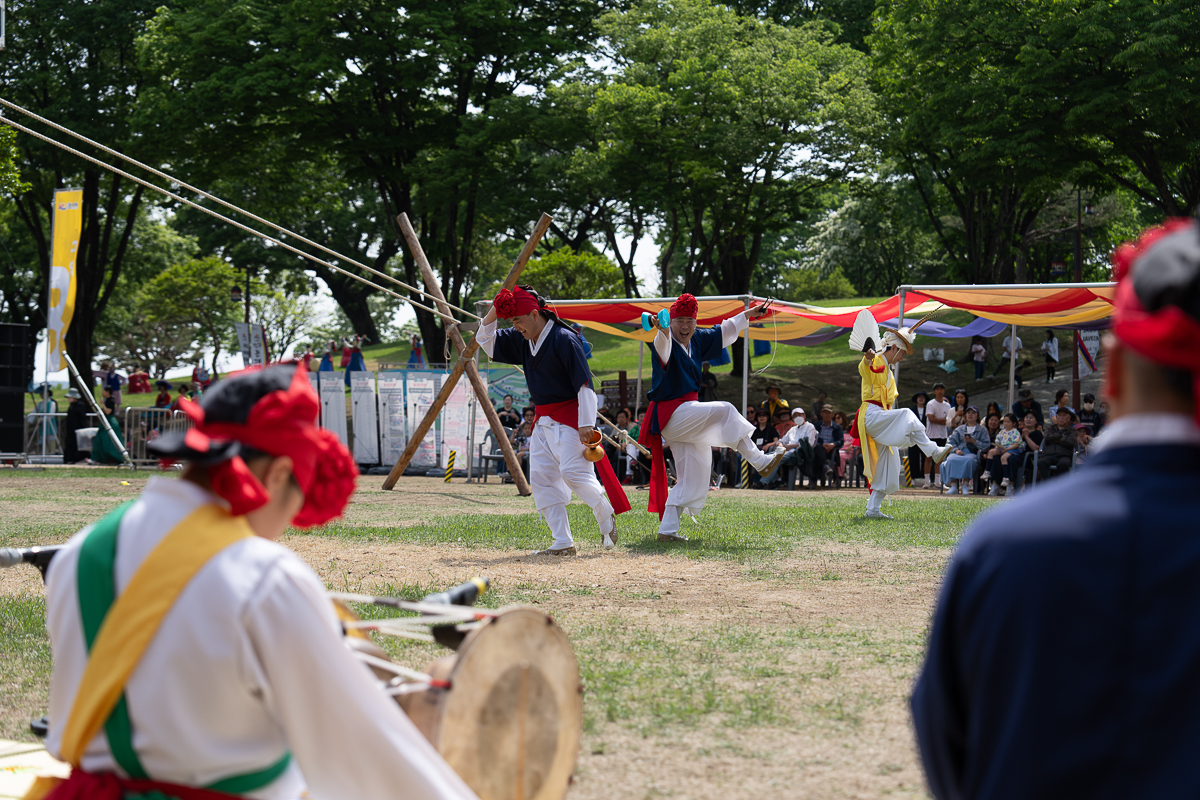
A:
(73, 61)
(195, 293)
(419, 106)
(286, 318)
(564, 275)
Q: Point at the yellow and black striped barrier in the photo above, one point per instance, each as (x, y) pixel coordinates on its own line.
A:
(449, 467)
(907, 472)
(745, 474)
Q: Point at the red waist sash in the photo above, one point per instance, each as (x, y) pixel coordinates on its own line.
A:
(107, 786)
(658, 414)
(567, 413)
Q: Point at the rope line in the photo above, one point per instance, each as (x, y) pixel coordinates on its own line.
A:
(221, 217)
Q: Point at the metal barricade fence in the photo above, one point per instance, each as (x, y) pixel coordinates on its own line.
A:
(143, 425)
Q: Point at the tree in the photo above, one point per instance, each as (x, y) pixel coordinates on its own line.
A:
(417, 105)
(284, 317)
(73, 62)
(726, 128)
(195, 293)
(564, 275)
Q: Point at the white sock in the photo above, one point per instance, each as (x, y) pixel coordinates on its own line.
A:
(875, 501)
(756, 457)
(670, 520)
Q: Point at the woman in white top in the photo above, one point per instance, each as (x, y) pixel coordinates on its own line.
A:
(1050, 348)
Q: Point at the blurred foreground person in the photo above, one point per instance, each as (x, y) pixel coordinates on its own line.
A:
(197, 659)
(1065, 645)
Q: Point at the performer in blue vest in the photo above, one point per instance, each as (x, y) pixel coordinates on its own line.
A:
(560, 384)
(1064, 651)
(692, 428)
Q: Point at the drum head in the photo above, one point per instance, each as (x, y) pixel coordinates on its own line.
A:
(513, 716)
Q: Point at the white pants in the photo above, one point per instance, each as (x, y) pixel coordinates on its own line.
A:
(694, 430)
(557, 468)
(890, 430)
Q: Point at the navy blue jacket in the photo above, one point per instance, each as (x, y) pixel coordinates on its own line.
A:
(558, 370)
(1064, 659)
(682, 373)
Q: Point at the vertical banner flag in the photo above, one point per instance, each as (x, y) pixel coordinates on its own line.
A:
(393, 435)
(66, 225)
(1089, 352)
(252, 343)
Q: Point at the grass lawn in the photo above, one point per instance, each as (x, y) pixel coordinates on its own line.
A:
(777, 648)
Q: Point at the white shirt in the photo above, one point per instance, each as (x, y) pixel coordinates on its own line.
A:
(793, 436)
(1007, 342)
(730, 329)
(1050, 348)
(248, 664)
(937, 408)
(586, 397)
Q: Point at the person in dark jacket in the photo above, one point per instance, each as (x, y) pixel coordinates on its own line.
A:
(77, 417)
(1058, 449)
(1062, 656)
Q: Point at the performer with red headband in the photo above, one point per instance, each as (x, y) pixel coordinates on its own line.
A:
(1063, 653)
(692, 428)
(560, 383)
(194, 657)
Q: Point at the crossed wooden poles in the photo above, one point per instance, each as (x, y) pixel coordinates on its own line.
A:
(466, 360)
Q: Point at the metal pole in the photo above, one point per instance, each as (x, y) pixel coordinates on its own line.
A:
(746, 362)
(896, 366)
(1012, 364)
(638, 401)
(1078, 277)
(470, 433)
(247, 296)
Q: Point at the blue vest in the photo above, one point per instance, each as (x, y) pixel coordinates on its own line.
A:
(559, 369)
(681, 375)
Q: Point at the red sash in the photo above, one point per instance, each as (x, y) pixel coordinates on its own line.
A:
(107, 786)
(658, 414)
(567, 413)
(854, 434)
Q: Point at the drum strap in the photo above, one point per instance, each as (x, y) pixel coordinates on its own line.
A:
(117, 630)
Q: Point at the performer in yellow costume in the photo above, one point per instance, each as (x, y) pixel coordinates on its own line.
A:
(881, 428)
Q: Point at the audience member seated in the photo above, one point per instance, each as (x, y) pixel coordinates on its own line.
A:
(849, 451)
(994, 425)
(764, 438)
(751, 414)
(509, 416)
(521, 445)
(1083, 442)
(1033, 437)
(183, 392)
(783, 421)
(828, 447)
(800, 446)
(1088, 415)
(1061, 398)
(968, 440)
(1058, 449)
(1006, 457)
(958, 413)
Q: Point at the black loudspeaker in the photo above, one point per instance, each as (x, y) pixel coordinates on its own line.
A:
(14, 378)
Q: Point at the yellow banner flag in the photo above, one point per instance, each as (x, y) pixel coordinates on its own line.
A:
(65, 229)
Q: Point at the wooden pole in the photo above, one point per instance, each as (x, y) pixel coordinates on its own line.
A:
(465, 357)
(435, 292)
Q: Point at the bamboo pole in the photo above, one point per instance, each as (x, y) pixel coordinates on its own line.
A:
(435, 292)
(460, 366)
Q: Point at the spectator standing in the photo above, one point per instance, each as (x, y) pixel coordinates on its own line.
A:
(818, 404)
(1011, 347)
(708, 384)
(1061, 658)
(416, 359)
(1027, 405)
(968, 440)
(1058, 449)
(958, 415)
(939, 413)
(1004, 459)
(979, 356)
(916, 459)
(1088, 415)
(774, 401)
(112, 382)
(509, 417)
(1050, 350)
(77, 413)
(830, 439)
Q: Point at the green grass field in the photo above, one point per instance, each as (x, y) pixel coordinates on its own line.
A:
(781, 641)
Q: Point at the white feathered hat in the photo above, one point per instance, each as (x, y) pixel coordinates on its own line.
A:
(865, 332)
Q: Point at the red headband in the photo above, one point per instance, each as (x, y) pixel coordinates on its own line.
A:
(515, 303)
(281, 424)
(685, 306)
(1168, 336)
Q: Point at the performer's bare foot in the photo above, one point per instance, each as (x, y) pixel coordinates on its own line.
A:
(561, 551)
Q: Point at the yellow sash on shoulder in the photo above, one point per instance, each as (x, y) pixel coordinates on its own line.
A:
(134, 618)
